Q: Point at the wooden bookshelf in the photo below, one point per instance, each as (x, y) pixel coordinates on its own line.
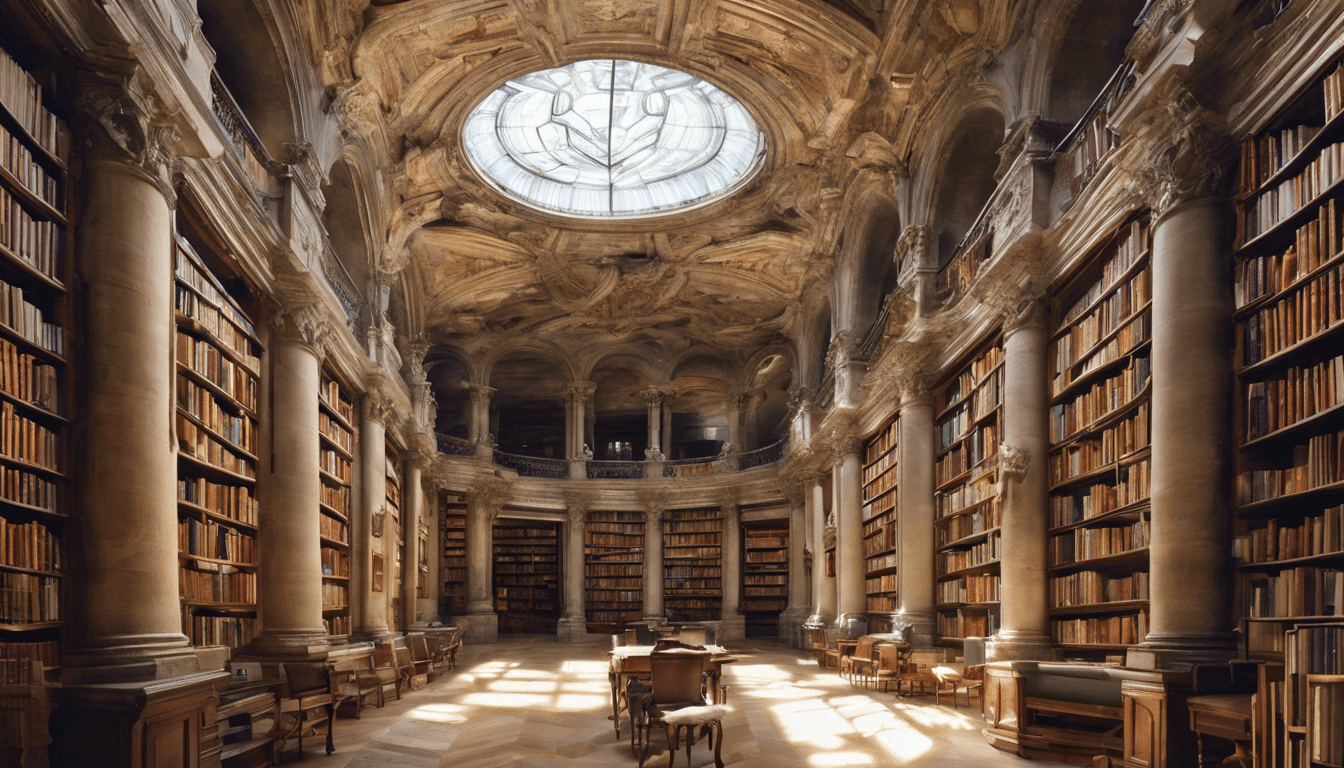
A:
(35, 398)
(613, 549)
(693, 565)
(966, 527)
(454, 570)
(765, 575)
(392, 505)
(881, 534)
(218, 360)
(1099, 447)
(527, 576)
(336, 414)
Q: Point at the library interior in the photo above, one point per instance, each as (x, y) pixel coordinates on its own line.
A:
(550, 382)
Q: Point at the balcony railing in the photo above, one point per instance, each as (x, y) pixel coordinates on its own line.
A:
(1091, 140)
(532, 466)
(242, 139)
(874, 338)
(975, 249)
(455, 446)
(689, 467)
(826, 390)
(770, 454)
(615, 470)
(342, 285)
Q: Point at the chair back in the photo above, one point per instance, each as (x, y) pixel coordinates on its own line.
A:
(888, 657)
(693, 635)
(677, 677)
(307, 678)
(419, 647)
(404, 657)
(383, 656)
(864, 650)
(643, 635)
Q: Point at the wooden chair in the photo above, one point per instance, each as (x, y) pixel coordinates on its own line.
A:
(859, 660)
(676, 684)
(421, 657)
(891, 661)
(385, 663)
(951, 681)
(310, 705)
(412, 678)
(821, 642)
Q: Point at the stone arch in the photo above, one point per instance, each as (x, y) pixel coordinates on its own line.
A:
(966, 177)
(619, 413)
(450, 375)
(348, 222)
(703, 380)
(250, 64)
(528, 406)
(771, 372)
(866, 272)
(1078, 55)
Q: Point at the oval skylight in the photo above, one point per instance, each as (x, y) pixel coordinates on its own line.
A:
(609, 138)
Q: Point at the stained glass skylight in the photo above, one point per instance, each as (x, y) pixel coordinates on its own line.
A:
(609, 138)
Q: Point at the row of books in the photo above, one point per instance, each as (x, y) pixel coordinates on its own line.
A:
(1113, 444)
(26, 598)
(514, 566)
(337, 626)
(974, 375)
(1105, 398)
(23, 487)
(1092, 588)
(632, 535)
(967, 624)
(980, 521)
(877, 478)
(22, 672)
(36, 242)
(47, 652)
(335, 465)
(1317, 242)
(779, 579)
(337, 497)
(210, 539)
(979, 588)
(883, 444)
(988, 551)
(217, 325)
(29, 545)
(1129, 485)
(335, 595)
(981, 445)
(1315, 307)
(882, 539)
(1264, 155)
(16, 158)
(884, 602)
(885, 583)
(1273, 205)
(692, 572)
(882, 562)
(233, 631)
(1334, 93)
(759, 541)
(881, 506)
(1126, 340)
(1092, 145)
(692, 589)
(631, 580)
(1318, 463)
(691, 553)
(193, 274)
(617, 564)
(28, 321)
(957, 423)
(1082, 544)
(763, 603)
(691, 539)
(964, 495)
(767, 556)
(201, 404)
(217, 586)
(1293, 592)
(331, 528)
(232, 501)
(677, 525)
(335, 562)
(1320, 534)
(631, 597)
(205, 359)
(28, 378)
(1114, 311)
(335, 432)
(1101, 630)
(24, 439)
(1131, 243)
(193, 440)
(22, 96)
(336, 400)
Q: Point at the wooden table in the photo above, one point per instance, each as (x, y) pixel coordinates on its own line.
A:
(630, 661)
(1227, 717)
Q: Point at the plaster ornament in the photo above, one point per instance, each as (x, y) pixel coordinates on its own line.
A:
(576, 509)
(654, 454)
(1014, 464)
(1192, 156)
(306, 323)
(489, 494)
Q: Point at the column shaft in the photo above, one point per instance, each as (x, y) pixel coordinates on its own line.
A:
(413, 502)
(915, 515)
(653, 565)
(430, 601)
(369, 600)
(573, 620)
(798, 588)
(480, 543)
(732, 621)
(823, 593)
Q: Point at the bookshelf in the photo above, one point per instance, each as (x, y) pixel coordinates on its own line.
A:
(966, 527)
(527, 576)
(35, 401)
(692, 564)
(881, 534)
(765, 575)
(454, 556)
(613, 548)
(1100, 382)
(392, 505)
(335, 417)
(218, 360)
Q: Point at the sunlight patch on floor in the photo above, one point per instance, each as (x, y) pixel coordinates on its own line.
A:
(576, 702)
(524, 686)
(838, 759)
(508, 700)
(440, 713)
(812, 723)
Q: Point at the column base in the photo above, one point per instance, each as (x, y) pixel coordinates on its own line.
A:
(290, 645)
(571, 629)
(731, 628)
(479, 628)
(654, 621)
(1019, 646)
(578, 469)
(1166, 650)
(371, 635)
(819, 621)
(139, 658)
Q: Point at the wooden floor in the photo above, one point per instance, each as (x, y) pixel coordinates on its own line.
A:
(535, 702)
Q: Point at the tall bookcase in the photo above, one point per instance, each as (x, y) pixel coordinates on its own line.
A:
(1288, 276)
(218, 363)
(392, 504)
(614, 570)
(34, 376)
(454, 570)
(1099, 448)
(336, 415)
(527, 576)
(966, 529)
(765, 575)
(881, 533)
(692, 564)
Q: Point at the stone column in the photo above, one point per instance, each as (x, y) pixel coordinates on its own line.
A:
(736, 401)
(485, 499)
(851, 589)
(653, 399)
(653, 563)
(130, 624)
(480, 421)
(1024, 631)
(574, 623)
(429, 603)
(579, 398)
(732, 624)
(797, 611)
(412, 517)
(368, 600)
(915, 515)
(290, 562)
(1190, 616)
(823, 533)
(666, 445)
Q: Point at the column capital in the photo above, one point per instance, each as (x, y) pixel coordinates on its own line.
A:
(580, 391)
(576, 508)
(490, 494)
(136, 123)
(481, 394)
(1190, 154)
(795, 493)
(844, 441)
(379, 407)
(305, 323)
(653, 502)
(654, 396)
(730, 503)
(801, 399)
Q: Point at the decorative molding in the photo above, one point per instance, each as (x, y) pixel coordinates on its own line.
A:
(576, 508)
(380, 407)
(1014, 463)
(1191, 156)
(580, 391)
(135, 121)
(490, 494)
(305, 323)
(481, 394)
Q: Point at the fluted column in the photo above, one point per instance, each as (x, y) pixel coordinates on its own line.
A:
(823, 533)
(573, 624)
(290, 563)
(797, 611)
(851, 589)
(485, 500)
(915, 515)
(733, 625)
(412, 518)
(653, 563)
(1024, 631)
(369, 599)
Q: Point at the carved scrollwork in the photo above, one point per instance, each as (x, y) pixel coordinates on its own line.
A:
(1192, 156)
(576, 509)
(489, 495)
(134, 121)
(1014, 463)
(305, 323)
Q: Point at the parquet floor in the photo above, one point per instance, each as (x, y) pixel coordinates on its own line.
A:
(537, 703)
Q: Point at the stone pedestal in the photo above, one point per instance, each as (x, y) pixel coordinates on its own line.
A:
(915, 514)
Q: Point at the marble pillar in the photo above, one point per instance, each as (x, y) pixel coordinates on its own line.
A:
(1190, 616)
(428, 604)
(653, 401)
(578, 399)
(290, 562)
(479, 427)
(737, 399)
(915, 516)
(851, 568)
(653, 564)
(666, 445)
(732, 624)
(369, 601)
(823, 533)
(797, 611)
(573, 622)
(412, 518)
(1024, 630)
(485, 499)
